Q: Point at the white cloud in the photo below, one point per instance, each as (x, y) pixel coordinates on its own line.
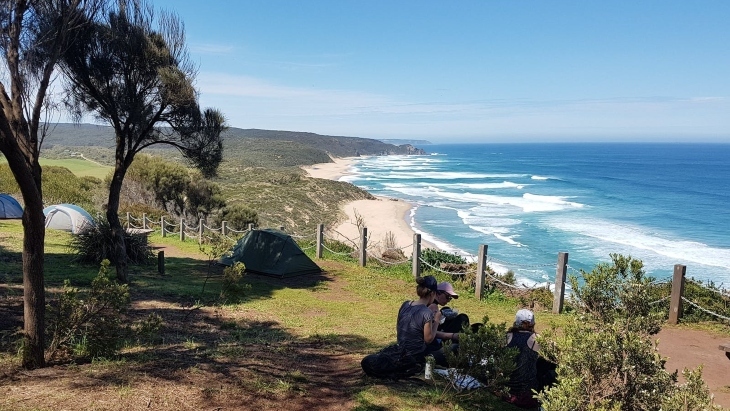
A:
(257, 103)
(206, 48)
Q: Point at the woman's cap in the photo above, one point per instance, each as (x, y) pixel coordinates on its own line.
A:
(448, 289)
(430, 282)
(524, 316)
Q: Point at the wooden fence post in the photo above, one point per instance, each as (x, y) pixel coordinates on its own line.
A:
(200, 231)
(319, 235)
(163, 229)
(224, 227)
(250, 226)
(416, 256)
(481, 271)
(182, 229)
(675, 301)
(559, 293)
(363, 246)
(161, 262)
(144, 221)
(128, 220)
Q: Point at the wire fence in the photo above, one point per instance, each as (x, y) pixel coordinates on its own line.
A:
(388, 254)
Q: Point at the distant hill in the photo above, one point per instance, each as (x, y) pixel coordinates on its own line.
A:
(274, 148)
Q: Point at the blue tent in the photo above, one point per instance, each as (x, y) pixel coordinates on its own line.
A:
(9, 207)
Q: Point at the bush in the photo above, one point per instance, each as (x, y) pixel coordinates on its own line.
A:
(604, 367)
(238, 217)
(618, 291)
(89, 325)
(232, 289)
(606, 357)
(483, 355)
(95, 244)
(436, 257)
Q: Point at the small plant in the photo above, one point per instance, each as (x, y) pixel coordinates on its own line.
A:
(89, 324)
(391, 251)
(620, 290)
(148, 329)
(232, 289)
(692, 395)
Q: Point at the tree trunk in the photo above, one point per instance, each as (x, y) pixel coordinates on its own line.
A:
(34, 234)
(112, 215)
(34, 299)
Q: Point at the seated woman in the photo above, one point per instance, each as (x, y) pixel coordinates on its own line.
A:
(450, 326)
(524, 378)
(416, 329)
(418, 320)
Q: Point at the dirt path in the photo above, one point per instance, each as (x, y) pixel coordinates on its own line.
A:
(690, 348)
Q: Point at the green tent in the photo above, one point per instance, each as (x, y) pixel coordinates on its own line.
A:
(270, 252)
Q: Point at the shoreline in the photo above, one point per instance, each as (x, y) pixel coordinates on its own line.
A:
(387, 219)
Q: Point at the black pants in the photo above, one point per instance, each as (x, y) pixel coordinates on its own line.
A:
(454, 325)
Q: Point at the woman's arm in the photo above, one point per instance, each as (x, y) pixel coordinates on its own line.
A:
(447, 336)
(429, 329)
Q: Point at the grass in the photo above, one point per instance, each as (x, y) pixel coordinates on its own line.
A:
(347, 312)
(80, 167)
(288, 342)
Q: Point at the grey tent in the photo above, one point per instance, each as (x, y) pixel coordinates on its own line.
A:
(270, 252)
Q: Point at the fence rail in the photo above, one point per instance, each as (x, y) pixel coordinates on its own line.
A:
(360, 246)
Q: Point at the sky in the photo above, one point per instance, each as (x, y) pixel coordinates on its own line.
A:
(466, 71)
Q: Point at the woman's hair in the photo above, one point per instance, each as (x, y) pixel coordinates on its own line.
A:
(426, 286)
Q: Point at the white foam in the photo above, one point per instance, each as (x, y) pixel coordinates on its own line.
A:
(539, 178)
(528, 203)
(654, 248)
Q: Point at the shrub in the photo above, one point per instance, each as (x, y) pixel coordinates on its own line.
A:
(692, 395)
(238, 217)
(147, 330)
(89, 324)
(436, 257)
(95, 245)
(483, 355)
(618, 291)
(604, 367)
(605, 354)
(232, 289)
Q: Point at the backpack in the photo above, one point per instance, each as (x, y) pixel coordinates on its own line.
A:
(390, 363)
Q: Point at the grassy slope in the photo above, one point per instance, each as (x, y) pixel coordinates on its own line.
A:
(79, 166)
(348, 311)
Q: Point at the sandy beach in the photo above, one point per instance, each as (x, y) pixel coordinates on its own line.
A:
(382, 216)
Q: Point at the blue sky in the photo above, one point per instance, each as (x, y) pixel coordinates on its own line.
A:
(466, 71)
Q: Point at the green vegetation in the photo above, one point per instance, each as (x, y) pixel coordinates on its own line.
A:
(607, 359)
(94, 245)
(60, 185)
(90, 325)
(79, 167)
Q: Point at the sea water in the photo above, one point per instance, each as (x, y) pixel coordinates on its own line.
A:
(665, 204)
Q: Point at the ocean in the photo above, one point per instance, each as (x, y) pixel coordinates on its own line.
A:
(664, 204)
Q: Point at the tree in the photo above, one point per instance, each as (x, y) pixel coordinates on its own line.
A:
(33, 36)
(132, 71)
(161, 183)
(203, 198)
